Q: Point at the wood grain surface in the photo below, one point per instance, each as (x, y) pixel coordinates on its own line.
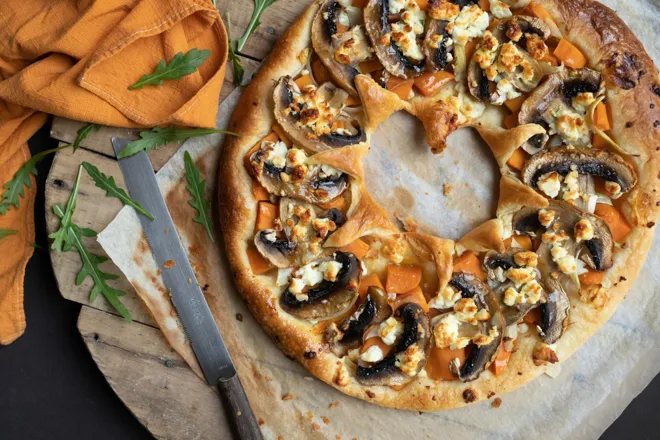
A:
(150, 378)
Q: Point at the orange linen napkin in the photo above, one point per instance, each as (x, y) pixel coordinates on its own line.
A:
(76, 58)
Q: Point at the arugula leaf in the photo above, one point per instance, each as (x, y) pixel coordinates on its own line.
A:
(15, 188)
(108, 184)
(179, 66)
(83, 132)
(162, 135)
(196, 189)
(259, 7)
(236, 65)
(7, 232)
(70, 236)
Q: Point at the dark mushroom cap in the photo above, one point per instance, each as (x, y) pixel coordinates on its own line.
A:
(323, 28)
(492, 261)
(283, 97)
(376, 20)
(437, 58)
(527, 25)
(277, 251)
(314, 188)
(374, 310)
(554, 313)
(329, 298)
(600, 248)
(480, 356)
(562, 86)
(595, 162)
(416, 330)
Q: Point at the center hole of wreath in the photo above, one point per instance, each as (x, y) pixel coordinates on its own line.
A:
(447, 194)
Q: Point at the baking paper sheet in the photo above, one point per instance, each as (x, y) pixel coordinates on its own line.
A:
(593, 386)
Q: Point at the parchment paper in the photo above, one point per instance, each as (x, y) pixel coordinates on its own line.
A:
(593, 386)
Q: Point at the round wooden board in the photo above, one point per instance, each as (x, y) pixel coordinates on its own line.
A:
(150, 378)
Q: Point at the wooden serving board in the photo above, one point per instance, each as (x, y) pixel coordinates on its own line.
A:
(150, 378)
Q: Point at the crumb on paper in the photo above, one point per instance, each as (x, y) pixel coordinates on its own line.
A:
(446, 189)
(496, 403)
(279, 437)
(166, 230)
(239, 317)
(490, 394)
(189, 280)
(288, 396)
(310, 415)
(316, 426)
(261, 422)
(337, 437)
(169, 264)
(334, 404)
(325, 419)
(456, 162)
(158, 272)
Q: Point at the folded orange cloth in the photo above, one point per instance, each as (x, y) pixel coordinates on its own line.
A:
(76, 58)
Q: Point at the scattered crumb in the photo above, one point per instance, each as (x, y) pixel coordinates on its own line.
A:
(467, 185)
(455, 162)
(469, 396)
(261, 421)
(496, 403)
(310, 415)
(316, 426)
(426, 192)
(491, 394)
(396, 178)
(334, 404)
(189, 280)
(337, 437)
(166, 230)
(159, 272)
(279, 437)
(446, 189)
(239, 317)
(287, 396)
(370, 393)
(325, 419)
(169, 264)
(420, 413)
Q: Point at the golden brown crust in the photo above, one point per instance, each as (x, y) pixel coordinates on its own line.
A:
(504, 142)
(439, 120)
(348, 159)
(608, 44)
(378, 102)
(484, 237)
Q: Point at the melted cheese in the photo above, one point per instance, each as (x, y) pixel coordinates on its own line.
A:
(500, 9)
(445, 332)
(445, 299)
(389, 330)
(470, 23)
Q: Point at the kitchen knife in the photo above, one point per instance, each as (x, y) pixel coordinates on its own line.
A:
(187, 297)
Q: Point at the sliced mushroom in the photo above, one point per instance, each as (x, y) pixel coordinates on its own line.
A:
(480, 356)
(486, 90)
(374, 310)
(277, 251)
(325, 41)
(554, 96)
(291, 117)
(594, 162)
(415, 337)
(327, 299)
(311, 183)
(554, 312)
(438, 53)
(505, 261)
(600, 247)
(379, 29)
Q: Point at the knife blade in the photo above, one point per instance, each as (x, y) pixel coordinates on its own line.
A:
(186, 294)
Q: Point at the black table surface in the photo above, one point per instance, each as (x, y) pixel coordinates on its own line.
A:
(51, 389)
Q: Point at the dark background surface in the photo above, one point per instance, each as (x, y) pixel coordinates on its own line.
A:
(51, 389)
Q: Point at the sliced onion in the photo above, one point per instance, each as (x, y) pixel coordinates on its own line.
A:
(598, 131)
(355, 16)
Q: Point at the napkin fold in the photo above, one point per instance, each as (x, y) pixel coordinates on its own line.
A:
(76, 59)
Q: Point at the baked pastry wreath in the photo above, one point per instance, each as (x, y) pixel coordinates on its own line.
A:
(565, 96)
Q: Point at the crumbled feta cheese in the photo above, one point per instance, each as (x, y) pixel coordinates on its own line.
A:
(329, 171)
(481, 339)
(276, 156)
(583, 100)
(445, 299)
(506, 91)
(546, 217)
(558, 251)
(511, 58)
(444, 10)
(584, 230)
(446, 331)
(466, 311)
(554, 237)
(526, 258)
(295, 157)
(571, 190)
(409, 360)
(520, 275)
(470, 23)
(283, 276)
(500, 9)
(550, 184)
(570, 126)
(567, 264)
(389, 330)
(613, 189)
(511, 296)
(372, 354)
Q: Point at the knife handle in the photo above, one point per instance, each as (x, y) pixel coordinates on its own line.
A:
(239, 412)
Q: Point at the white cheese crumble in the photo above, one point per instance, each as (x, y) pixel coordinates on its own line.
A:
(445, 299)
(500, 9)
(389, 330)
(277, 155)
(546, 217)
(506, 91)
(550, 184)
(409, 360)
(446, 331)
(584, 230)
(372, 354)
(470, 23)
